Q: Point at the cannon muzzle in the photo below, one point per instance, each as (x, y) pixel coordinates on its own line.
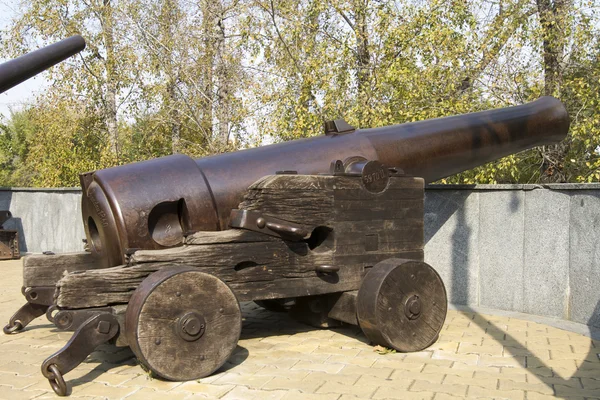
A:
(152, 204)
(22, 68)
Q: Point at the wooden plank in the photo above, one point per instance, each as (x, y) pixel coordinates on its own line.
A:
(46, 270)
(227, 236)
(376, 226)
(410, 234)
(294, 182)
(369, 260)
(402, 214)
(344, 308)
(380, 204)
(243, 263)
(395, 183)
(348, 279)
(309, 208)
(115, 285)
(361, 194)
(391, 248)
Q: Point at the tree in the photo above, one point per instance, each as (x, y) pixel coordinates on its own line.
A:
(103, 75)
(205, 77)
(15, 137)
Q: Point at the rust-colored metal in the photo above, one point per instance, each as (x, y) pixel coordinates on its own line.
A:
(9, 239)
(23, 317)
(98, 329)
(256, 221)
(152, 204)
(9, 244)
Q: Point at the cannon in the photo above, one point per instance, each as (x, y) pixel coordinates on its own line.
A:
(329, 229)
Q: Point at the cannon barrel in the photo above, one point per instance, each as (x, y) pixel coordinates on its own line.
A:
(22, 68)
(152, 204)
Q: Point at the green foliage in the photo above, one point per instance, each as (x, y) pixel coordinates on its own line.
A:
(14, 149)
(215, 75)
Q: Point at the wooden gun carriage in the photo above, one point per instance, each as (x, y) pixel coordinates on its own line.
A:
(332, 224)
(344, 250)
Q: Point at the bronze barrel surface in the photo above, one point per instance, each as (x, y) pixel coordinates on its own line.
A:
(152, 204)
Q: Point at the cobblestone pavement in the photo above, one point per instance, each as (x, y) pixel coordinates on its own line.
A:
(477, 356)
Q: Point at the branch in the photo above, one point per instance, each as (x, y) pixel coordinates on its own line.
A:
(272, 13)
(343, 16)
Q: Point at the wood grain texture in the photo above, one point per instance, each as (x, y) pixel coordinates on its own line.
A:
(382, 299)
(344, 308)
(46, 270)
(356, 229)
(254, 269)
(155, 314)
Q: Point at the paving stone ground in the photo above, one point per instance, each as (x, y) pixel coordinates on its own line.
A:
(476, 356)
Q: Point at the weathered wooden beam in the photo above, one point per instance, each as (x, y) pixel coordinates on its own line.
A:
(352, 229)
(344, 309)
(46, 270)
(255, 266)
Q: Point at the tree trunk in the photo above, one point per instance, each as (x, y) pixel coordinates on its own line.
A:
(552, 16)
(552, 19)
(169, 19)
(223, 80)
(363, 73)
(207, 65)
(110, 103)
(174, 117)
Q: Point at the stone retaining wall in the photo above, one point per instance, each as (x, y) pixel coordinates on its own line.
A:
(526, 248)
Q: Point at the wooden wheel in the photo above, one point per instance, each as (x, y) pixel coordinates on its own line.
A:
(402, 304)
(183, 324)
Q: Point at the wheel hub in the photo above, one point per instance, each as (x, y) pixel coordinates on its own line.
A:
(191, 326)
(412, 307)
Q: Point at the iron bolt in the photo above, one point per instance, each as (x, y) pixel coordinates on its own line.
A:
(412, 307)
(192, 326)
(415, 306)
(103, 327)
(260, 222)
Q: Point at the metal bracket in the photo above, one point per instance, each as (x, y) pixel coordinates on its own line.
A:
(24, 316)
(71, 320)
(95, 331)
(256, 221)
(327, 269)
(39, 294)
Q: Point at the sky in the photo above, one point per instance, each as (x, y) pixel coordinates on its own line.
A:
(26, 91)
